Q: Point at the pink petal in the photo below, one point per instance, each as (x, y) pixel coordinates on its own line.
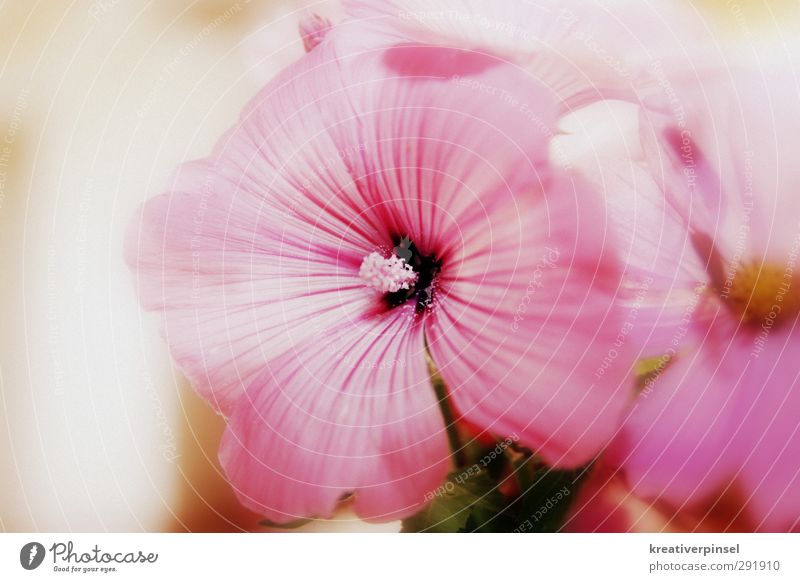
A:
(232, 255)
(508, 28)
(720, 143)
(677, 442)
(662, 268)
(768, 439)
(350, 412)
(447, 135)
(227, 295)
(526, 335)
(582, 51)
(765, 128)
(605, 504)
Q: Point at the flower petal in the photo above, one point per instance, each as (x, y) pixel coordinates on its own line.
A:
(353, 411)
(529, 337)
(469, 24)
(582, 51)
(446, 134)
(234, 252)
(768, 438)
(677, 442)
(605, 504)
(662, 269)
(227, 295)
(719, 142)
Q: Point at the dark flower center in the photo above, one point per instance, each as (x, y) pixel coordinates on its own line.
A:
(426, 266)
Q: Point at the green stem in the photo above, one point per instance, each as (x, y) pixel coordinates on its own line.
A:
(453, 437)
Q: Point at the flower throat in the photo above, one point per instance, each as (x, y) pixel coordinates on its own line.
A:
(761, 293)
(406, 275)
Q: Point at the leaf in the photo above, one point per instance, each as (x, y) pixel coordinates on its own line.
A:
(492, 514)
(466, 502)
(545, 495)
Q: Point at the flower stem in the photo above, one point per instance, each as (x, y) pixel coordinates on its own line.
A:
(453, 436)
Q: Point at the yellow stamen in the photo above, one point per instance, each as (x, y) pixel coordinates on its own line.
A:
(762, 293)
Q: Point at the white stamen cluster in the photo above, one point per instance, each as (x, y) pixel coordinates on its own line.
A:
(387, 275)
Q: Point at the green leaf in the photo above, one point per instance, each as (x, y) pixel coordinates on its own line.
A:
(545, 495)
(466, 502)
(492, 514)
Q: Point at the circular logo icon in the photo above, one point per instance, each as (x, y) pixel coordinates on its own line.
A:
(31, 555)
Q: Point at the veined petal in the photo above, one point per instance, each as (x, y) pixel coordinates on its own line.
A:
(352, 412)
(529, 338)
(254, 242)
(447, 134)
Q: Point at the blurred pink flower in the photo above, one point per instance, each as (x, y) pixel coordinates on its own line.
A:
(721, 413)
(605, 503)
(367, 210)
(582, 50)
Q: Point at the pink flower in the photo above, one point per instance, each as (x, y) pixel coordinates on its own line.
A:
(372, 210)
(605, 503)
(582, 50)
(720, 416)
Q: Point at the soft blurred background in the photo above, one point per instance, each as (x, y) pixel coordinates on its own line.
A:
(99, 101)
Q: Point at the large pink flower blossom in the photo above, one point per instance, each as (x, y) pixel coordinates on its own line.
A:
(720, 416)
(368, 212)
